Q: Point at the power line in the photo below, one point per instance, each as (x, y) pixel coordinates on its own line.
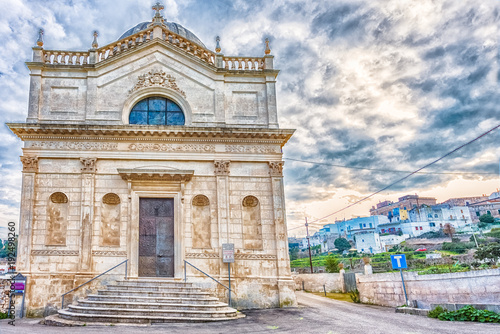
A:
(407, 176)
(386, 170)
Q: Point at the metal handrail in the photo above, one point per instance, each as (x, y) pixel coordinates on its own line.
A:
(119, 264)
(204, 273)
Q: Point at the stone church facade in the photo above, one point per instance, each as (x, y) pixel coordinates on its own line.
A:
(156, 150)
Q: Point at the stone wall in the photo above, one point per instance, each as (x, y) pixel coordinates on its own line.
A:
(472, 287)
(4, 295)
(315, 282)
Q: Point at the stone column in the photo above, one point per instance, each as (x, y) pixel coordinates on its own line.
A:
(25, 231)
(286, 284)
(87, 212)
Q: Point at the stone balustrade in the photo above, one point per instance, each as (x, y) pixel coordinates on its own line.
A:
(130, 42)
(65, 57)
(189, 46)
(123, 45)
(243, 63)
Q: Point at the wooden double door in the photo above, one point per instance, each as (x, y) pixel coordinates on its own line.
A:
(156, 237)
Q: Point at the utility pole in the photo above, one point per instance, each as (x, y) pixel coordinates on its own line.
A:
(309, 244)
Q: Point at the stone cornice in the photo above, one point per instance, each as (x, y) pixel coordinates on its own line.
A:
(138, 174)
(32, 131)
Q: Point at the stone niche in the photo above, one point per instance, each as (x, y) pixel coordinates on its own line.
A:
(110, 220)
(252, 227)
(201, 222)
(57, 213)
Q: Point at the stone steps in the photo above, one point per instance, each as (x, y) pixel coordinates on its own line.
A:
(153, 293)
(86, 319)
(146, 301)
(152, 288)
(144, 305)
(162, 312)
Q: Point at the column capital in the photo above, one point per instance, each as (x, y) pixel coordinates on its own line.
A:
(221, 167)
(88, 165)
(30, 164)
(276, 168)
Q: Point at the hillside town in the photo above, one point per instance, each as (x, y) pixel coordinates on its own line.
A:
(391, 223)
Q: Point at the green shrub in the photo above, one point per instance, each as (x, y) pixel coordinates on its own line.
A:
(469, 313)
(436, 312)
(458, 247)
(495, 233)
(3, 315)
(331, 264)
(354, 294)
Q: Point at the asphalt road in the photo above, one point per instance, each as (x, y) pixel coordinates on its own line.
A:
(315, 315)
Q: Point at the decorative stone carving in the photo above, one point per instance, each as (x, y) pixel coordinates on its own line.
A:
(221, 167)
(252, 227)
(78, 146)
(254, 257)
(202, 148)
(276, 168)
(252, 149)
(58, 198)
(30, 164)
(111, 199)
(201, 200)
(88, 165)
(109, 253)
(250, 201)
(202, 229)
(156, 78)
(202, 255)
(45, 252)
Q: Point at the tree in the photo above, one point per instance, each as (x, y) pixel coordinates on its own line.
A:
(331, 264)
(342, 244)
(294, 253)
(489, 252)
(449, 230)
(487, 218)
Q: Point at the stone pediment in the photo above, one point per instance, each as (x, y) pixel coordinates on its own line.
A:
(155, 174)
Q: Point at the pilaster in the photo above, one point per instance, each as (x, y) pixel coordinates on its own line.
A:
(222, 176)
(87, 212)
(285, 282)
(34, 95)
(30, 168)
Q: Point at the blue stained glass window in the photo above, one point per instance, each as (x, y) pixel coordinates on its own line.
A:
(175, 118)
(138, 117)
(156, 118)
(157, 111)
(157, 104)
(142, 105)
(171, 106)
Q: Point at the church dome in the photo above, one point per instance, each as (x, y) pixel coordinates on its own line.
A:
(172, 26)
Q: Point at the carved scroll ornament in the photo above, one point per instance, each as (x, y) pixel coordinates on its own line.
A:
(221, 167)
(88, 165)
(30, 164)
(156, 78)
(276, 168)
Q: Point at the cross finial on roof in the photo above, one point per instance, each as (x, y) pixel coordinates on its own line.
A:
(157, 8)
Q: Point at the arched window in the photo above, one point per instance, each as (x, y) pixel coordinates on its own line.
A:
(156, 111)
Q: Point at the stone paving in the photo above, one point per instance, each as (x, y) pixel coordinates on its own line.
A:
(315, 315)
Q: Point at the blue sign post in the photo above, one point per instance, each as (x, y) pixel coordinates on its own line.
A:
(399, 262)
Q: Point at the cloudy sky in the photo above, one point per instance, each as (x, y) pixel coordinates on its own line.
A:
(387, 85)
